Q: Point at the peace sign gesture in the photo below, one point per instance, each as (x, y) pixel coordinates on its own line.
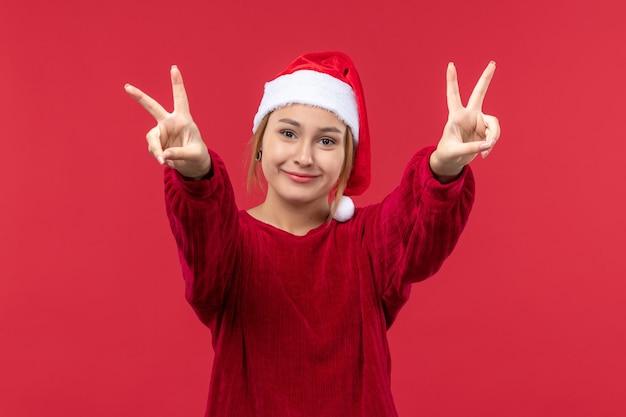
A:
(468, 130)
(175, 140)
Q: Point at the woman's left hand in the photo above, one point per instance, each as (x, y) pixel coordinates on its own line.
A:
(468, 130)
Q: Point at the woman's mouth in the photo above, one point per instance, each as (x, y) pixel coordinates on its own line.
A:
(300, 177)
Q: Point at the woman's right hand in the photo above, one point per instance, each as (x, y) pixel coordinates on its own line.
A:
(175, 141)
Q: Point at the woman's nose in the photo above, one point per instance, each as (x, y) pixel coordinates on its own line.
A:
(304, 155)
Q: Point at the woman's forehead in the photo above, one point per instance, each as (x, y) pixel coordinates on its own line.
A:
(307, 116)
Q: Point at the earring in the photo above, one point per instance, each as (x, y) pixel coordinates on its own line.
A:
(259, 155)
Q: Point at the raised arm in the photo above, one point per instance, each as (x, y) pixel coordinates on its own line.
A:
(418, 225)
(199, 201)
(175, 140)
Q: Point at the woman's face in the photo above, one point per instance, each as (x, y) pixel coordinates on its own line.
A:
(303, 154)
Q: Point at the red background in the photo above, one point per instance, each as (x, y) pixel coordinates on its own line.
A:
(527, 317)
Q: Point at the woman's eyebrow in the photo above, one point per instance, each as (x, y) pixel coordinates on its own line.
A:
(291, 122)
(321, 129)
(329, 129)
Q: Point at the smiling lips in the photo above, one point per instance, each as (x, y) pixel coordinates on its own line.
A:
(300, 177)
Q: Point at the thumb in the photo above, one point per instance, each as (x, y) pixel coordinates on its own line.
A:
(474, 148)
(180, 153)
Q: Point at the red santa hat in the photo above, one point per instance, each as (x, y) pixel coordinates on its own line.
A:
(328, 80)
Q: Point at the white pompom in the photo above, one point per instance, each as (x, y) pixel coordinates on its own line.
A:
(345, 209)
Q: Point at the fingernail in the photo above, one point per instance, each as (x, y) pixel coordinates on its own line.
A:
(174, 66)
(161, 160)
(485, 145)
(493, 62)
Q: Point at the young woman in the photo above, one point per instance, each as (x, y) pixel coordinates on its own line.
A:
(299, 291)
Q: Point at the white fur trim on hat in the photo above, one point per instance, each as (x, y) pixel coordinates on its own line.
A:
(315, 89)
(345, 209)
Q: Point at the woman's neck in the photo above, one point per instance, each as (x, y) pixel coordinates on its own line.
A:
(292, 218)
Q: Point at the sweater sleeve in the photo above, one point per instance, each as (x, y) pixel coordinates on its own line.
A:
(415, 228)
(203, 217)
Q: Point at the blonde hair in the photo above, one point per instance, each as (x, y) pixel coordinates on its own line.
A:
(254, 176)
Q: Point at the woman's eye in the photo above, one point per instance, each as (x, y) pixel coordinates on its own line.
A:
(327, 141)
(288, 134)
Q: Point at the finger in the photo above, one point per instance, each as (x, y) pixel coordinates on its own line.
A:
(185, 153)
(181, 103)
(486, 147)
(151, 105)
(452, 89)
(492, 128)
(153, 137)
(478, 94)
(492, 133)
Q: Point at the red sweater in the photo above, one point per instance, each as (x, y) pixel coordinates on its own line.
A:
(299, 323)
